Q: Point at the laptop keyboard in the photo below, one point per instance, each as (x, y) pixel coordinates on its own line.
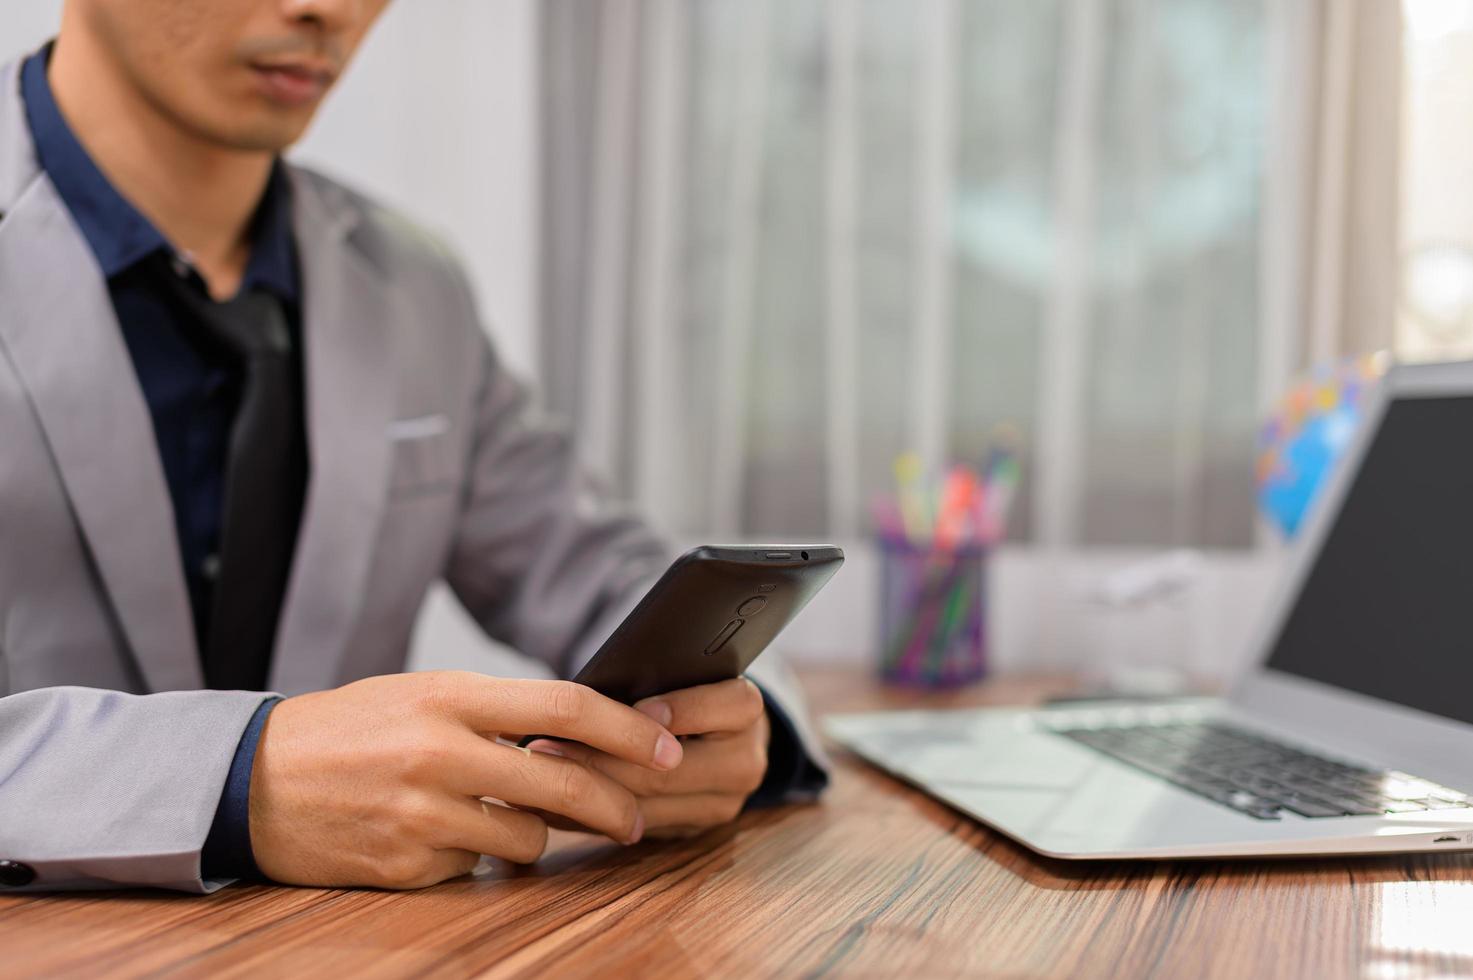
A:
(1261, 777)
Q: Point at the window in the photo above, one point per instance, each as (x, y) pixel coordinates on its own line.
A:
(1435, 312)
(855, 228)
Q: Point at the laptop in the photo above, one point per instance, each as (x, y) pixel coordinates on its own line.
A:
(1353, 732)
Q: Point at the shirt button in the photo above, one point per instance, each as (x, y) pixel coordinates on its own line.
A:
(210, 567)
(13, 874)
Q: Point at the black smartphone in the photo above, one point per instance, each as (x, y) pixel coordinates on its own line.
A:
(708, 617)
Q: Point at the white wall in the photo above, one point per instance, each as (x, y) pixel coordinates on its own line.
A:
(24, 25)
(437, 118)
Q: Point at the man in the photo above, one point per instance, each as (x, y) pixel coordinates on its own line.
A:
(246, 419)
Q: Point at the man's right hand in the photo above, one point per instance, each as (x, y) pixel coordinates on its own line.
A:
(380, 782)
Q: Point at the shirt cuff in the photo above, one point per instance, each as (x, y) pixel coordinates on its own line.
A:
(227, 852)
(789, 769)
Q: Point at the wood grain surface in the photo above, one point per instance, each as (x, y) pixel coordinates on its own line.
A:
(878, 880)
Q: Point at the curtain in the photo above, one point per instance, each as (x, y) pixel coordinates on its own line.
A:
(1339, 163)
(784, 242)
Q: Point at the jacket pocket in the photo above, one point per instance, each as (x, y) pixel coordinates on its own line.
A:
(424, 456)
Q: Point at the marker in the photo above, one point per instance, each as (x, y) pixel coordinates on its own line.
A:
(912, 508)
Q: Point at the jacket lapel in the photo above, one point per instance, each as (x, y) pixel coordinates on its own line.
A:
(349, 373)
(60, 334)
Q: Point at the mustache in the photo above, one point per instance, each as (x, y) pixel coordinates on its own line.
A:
(324, 48)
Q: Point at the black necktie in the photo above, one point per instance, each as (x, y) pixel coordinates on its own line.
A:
(265, 478)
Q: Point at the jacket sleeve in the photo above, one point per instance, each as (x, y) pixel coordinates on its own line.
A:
(540, 551)
(100, 789)
(547, 563)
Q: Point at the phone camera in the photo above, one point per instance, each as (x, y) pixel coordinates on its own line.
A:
(804, 554)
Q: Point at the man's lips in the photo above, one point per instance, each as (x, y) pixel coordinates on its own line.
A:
(292, 83)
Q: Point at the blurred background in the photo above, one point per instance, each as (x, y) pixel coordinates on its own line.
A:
(753, 251)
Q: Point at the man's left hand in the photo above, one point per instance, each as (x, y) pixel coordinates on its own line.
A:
(725, 731)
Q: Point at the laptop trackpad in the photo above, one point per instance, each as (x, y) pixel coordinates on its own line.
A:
(1032, 761)
(982, 750)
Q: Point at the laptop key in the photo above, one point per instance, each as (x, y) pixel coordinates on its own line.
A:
(1356, 808)
(1264, 812)
(1254, 806)
(1312, 808)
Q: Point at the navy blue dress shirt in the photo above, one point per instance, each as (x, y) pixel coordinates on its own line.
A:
(192, 389)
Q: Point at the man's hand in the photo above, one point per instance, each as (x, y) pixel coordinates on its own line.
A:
(380, 782)
(722, 767)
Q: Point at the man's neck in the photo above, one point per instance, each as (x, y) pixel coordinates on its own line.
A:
(200, 195)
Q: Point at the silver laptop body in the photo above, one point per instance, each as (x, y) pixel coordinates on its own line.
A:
(1361, 701)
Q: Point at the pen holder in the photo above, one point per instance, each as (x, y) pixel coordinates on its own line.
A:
(933, 613)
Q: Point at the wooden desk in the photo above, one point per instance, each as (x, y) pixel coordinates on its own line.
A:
(878, 880)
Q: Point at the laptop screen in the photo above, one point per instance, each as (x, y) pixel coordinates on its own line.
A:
(1387, 609)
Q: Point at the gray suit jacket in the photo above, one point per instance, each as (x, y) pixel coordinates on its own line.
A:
(428, 462)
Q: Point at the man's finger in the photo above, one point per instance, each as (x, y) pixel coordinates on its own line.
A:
(717, 765)
(431, 868)
(450, 863)
(695, 810)
(560, 823)
(728, 706)
(545, 782)
(498, 831)
(560, 708)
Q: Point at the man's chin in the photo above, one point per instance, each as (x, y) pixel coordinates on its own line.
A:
(271, 133)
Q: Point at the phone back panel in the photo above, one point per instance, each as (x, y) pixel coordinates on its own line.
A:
(708, 617)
